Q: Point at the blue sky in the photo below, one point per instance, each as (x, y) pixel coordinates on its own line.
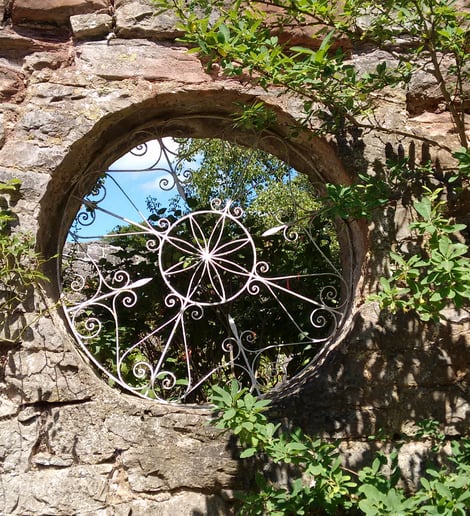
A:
(131, 172)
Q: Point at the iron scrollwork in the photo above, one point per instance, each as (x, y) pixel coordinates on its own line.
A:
(211, 305)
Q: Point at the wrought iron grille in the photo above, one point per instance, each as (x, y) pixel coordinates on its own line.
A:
(230, 270)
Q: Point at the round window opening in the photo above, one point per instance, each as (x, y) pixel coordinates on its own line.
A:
(191, 262)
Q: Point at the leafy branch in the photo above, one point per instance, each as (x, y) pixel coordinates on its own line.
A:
(434, 272)
(319, 483)
(250, 43)
(20, 268)
(427, 282)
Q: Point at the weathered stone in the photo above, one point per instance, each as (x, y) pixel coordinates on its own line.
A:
(11, 84)
(309, 34)
(17, 441)
(45, 459)
(7, 407)
(130, 449)
(367, 62)
(3, 4)
(53, 125)
(124, 59)
(137, 19)
(86, 487)
(16, 46)
(190, 503)
(94, 490)
(435, 124)
(2, 130)
(41, 60)
(390, 376)
(24, 155)
(91, 25)
(45, 376)
(423, 94)
(54, 12)
(412, 456)
(175, 464)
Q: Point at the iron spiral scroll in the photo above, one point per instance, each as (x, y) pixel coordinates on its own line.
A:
(199, 298)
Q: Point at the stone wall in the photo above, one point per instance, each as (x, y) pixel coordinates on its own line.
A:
(79, 82)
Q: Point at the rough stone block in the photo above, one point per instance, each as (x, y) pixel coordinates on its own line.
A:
(87, 26)
(136, 58)
(423, 93)
(138, 19)
(44, 60)
(11, 83)
(52, 12)
(13, 45)
(17, 440)
(7, 407)
(41, 491)
(44, 376)
(2, 130)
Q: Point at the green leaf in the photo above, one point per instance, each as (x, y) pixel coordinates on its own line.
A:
(224, 33)
(229, 413)
(424, 208)
(248, 452)
(443, 490)
(234, 388)
(302, 50)
(262, 404)
(220, 396)
(249, 400)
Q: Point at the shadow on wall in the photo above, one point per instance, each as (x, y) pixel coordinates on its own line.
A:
(223, 503)
(215, 506)
(392, 372)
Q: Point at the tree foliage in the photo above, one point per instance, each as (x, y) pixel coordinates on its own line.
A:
(267, 189)
(438, 275)
(253, 42)
(249, 41)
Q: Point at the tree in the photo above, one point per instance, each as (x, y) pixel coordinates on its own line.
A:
(249, 40)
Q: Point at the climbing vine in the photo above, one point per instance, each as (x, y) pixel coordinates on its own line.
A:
(20, 268)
